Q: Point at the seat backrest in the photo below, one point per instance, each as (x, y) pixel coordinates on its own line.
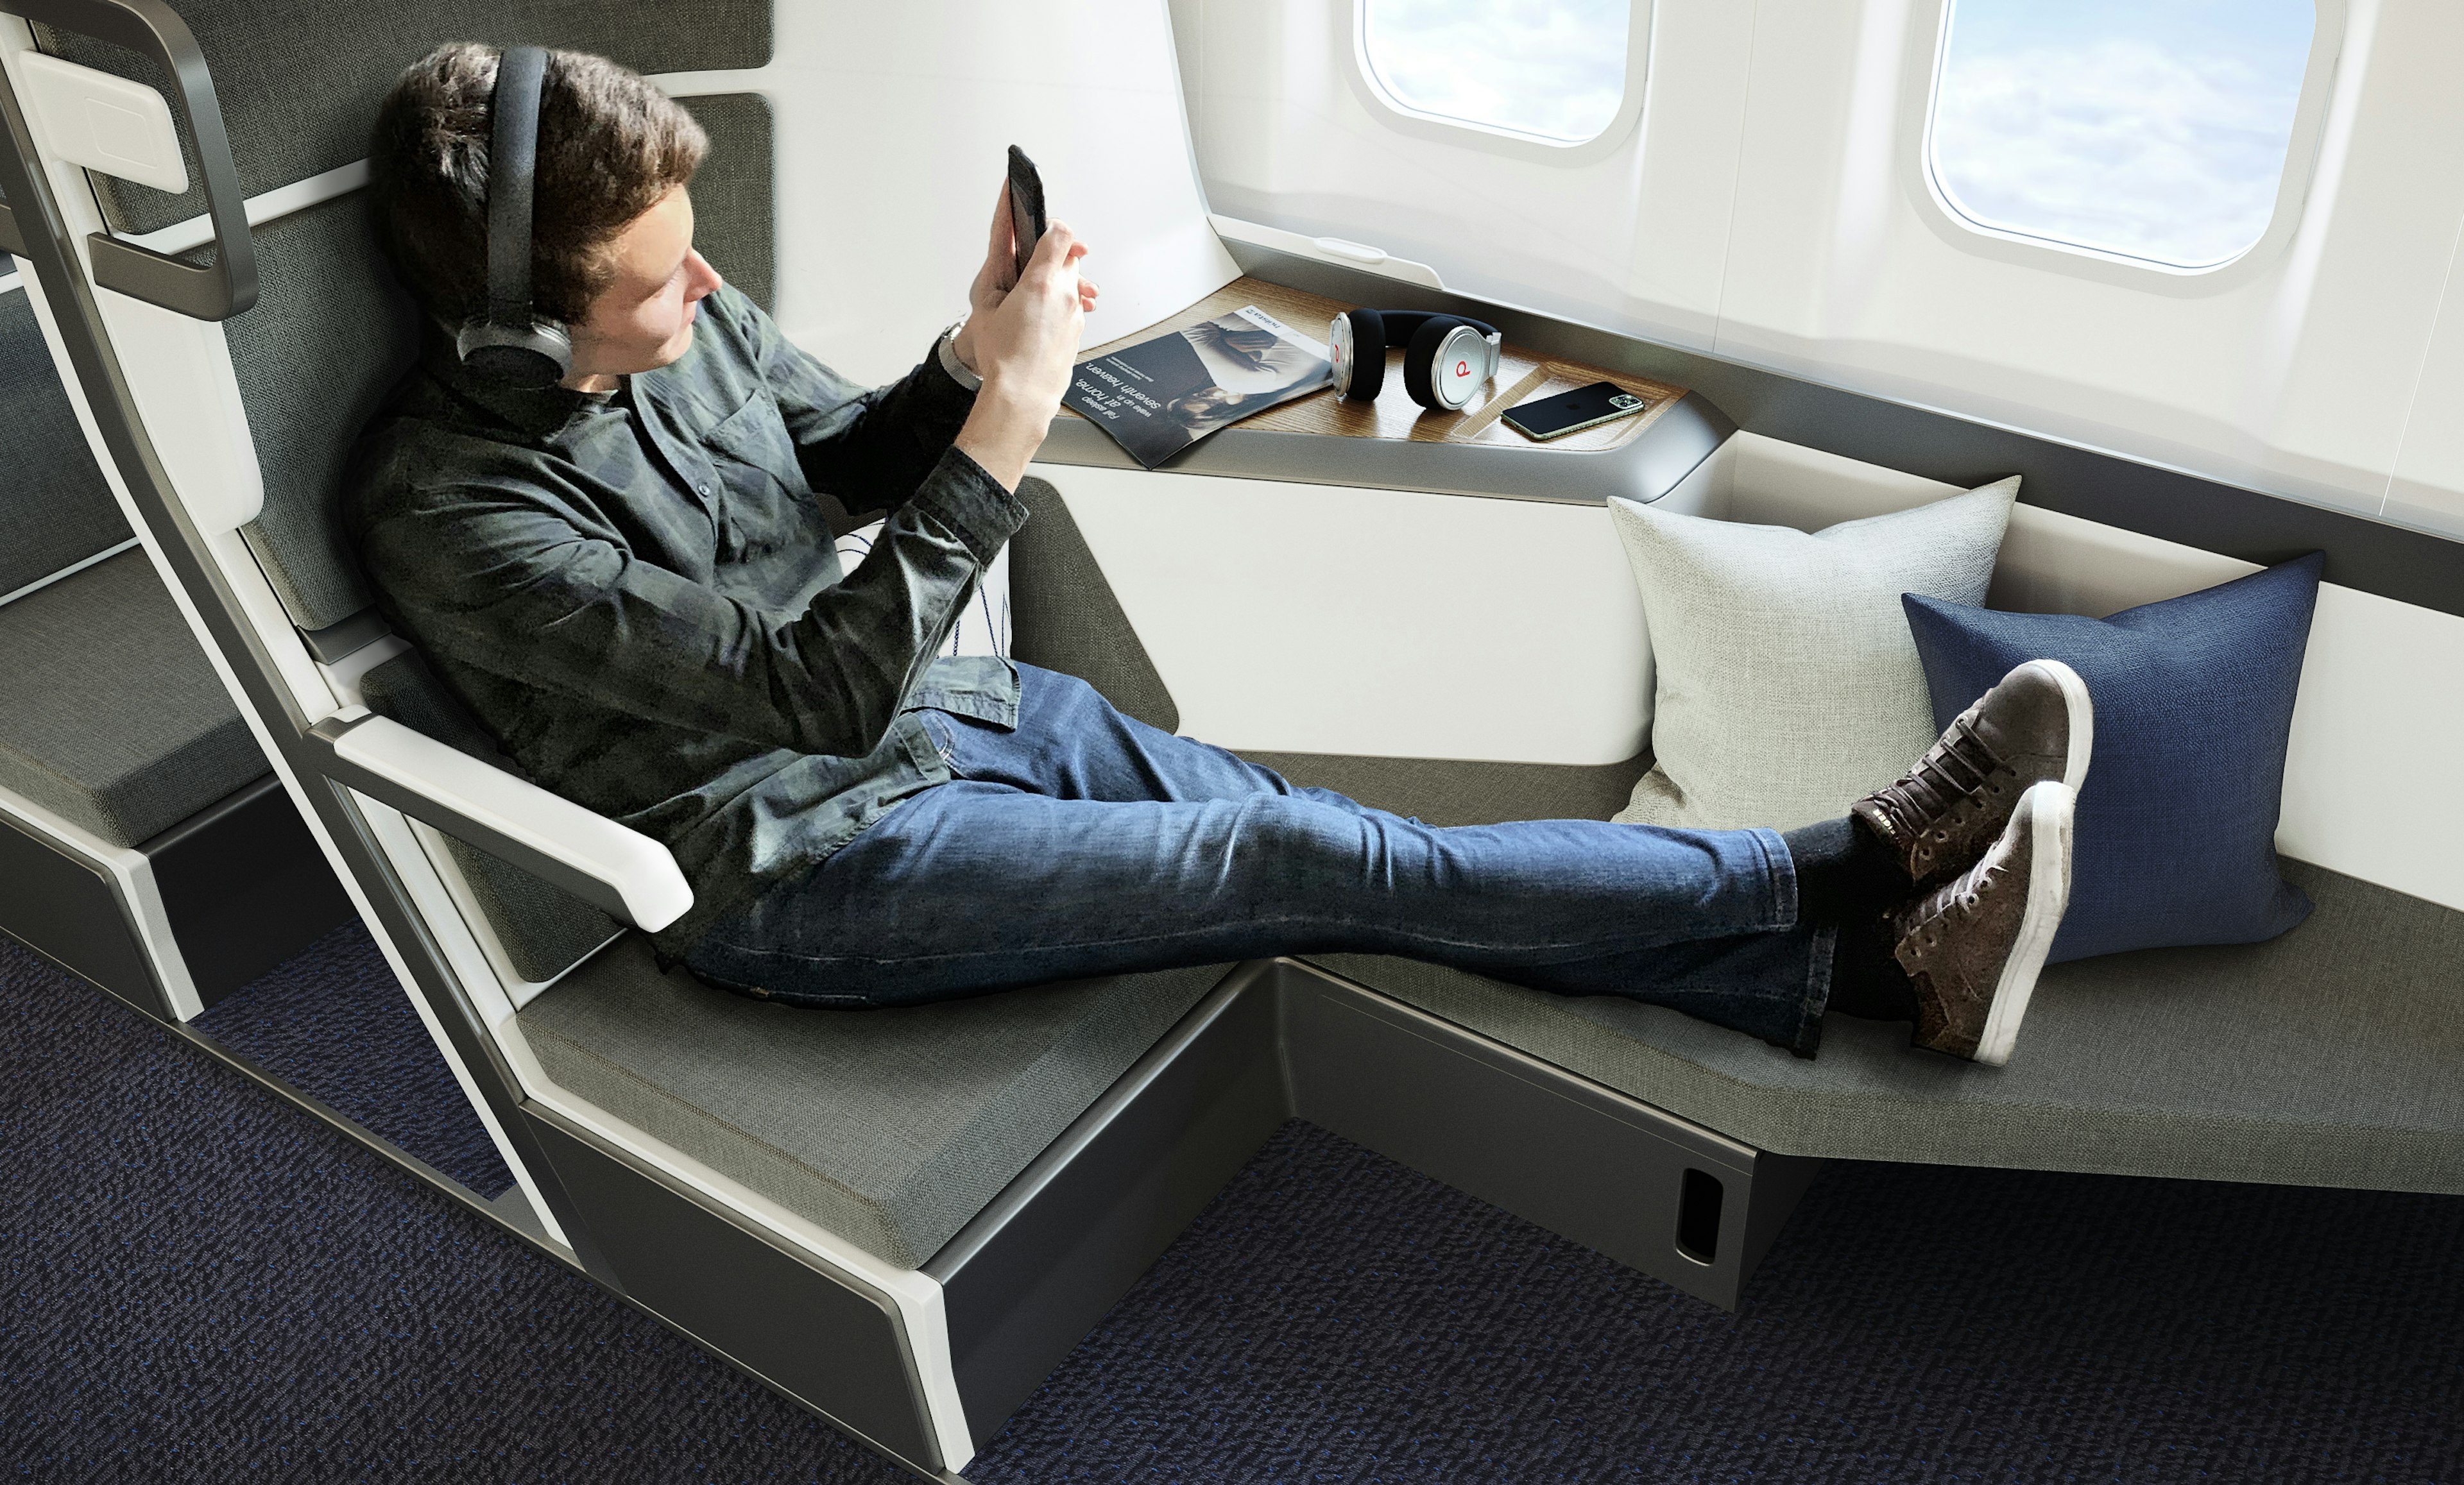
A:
(298, 84)
(56, 511)
(332, 332)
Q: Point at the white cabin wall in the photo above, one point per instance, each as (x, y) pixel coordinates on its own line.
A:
(2292, 375)
(1772, 207)
(891, 126)
(2429, 487)
(1632, 238)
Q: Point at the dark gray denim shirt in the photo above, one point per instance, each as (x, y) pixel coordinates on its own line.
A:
(638, 594)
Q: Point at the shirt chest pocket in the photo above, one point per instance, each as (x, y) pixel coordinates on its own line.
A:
(754, 435)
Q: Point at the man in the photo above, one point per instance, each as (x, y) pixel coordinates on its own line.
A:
(630, 579)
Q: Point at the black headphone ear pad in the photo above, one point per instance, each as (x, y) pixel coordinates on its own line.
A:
(1421, 359)
(1368, 355)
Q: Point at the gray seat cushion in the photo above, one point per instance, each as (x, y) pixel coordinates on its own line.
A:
(2329, 1056)
(892, 1129)
(2333, 1056)
(109, 713)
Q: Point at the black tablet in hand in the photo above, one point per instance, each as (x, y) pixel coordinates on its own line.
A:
(1026, 206)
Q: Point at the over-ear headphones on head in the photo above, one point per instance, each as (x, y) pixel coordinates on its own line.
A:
(507, 342)
(1445, 359)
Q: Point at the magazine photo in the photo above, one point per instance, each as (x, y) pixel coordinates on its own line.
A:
(1161, 394)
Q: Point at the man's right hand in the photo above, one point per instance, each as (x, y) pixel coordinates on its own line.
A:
(1025, 348)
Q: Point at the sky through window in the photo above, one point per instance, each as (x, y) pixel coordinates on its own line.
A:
(1555, 69)
(2155, 129)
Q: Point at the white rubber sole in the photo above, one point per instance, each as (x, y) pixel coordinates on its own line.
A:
(2082, 720)
(2047, 808)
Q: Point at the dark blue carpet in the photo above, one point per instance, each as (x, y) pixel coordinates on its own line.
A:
(335, 1024)
(203, 1285)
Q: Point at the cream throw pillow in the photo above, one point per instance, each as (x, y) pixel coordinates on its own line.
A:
(1789, 685)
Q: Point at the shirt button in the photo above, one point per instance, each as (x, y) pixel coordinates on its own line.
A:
(701, 489)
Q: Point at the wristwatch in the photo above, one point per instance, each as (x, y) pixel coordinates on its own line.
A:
(947, 348)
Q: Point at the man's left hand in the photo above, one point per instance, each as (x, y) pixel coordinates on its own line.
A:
(996, 279)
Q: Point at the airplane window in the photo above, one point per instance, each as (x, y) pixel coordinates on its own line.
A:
(1554, 70)
(2155, 131)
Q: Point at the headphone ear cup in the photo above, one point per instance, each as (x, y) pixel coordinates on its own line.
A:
(532, 357)
(1420, 361)
(1368, 355)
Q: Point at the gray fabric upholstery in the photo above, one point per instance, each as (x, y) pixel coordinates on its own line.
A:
(329, 337)
(2329, 1056)
(1064, 616)
(54, 509)
(735, 217)
(109, 713)
(1449, 792)
(299, 80)
(543, 928)
(892, 1129)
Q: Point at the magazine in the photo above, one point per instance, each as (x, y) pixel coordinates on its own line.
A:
(1160, 396)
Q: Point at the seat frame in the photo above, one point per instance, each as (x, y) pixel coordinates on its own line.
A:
(176, 922)
(925, 1364)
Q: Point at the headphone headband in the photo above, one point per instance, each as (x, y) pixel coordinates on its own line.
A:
(1402, 324)
(512, 165)
(509, 342)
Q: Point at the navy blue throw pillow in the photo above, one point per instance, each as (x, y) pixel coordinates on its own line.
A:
(2176, 823)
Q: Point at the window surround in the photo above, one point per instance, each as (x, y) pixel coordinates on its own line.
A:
(1513, 144)
(1928, 37)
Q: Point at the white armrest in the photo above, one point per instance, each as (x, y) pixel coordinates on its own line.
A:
(619, 869)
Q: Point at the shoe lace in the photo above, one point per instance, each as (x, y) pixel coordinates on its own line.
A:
(1964, 896)
(1944, 784)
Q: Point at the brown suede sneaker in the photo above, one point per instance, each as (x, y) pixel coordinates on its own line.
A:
(2036, 725)
(1973, 948)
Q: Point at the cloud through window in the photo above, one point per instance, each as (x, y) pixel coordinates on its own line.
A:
(2154, 129)
(1554, 70)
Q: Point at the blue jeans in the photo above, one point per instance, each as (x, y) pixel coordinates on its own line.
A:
(1086, 843)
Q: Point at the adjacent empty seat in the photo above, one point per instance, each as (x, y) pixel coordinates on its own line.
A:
(109, 713)
(890, 1128)
(133, 799)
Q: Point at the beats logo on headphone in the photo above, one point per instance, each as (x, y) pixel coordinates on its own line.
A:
(1447, 357)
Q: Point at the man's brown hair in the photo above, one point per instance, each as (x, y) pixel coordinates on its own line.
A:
(610, 147)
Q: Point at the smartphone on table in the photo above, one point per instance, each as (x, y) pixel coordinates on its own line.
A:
(1571, 412)
(1026, 208)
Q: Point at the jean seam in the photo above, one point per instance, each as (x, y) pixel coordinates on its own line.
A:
(1779, 870)
(1819, 963)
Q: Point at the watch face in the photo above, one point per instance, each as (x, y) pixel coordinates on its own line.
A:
(1338, 341)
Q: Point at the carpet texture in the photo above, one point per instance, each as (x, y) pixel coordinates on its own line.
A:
(202, 1284)
(334, 1024)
